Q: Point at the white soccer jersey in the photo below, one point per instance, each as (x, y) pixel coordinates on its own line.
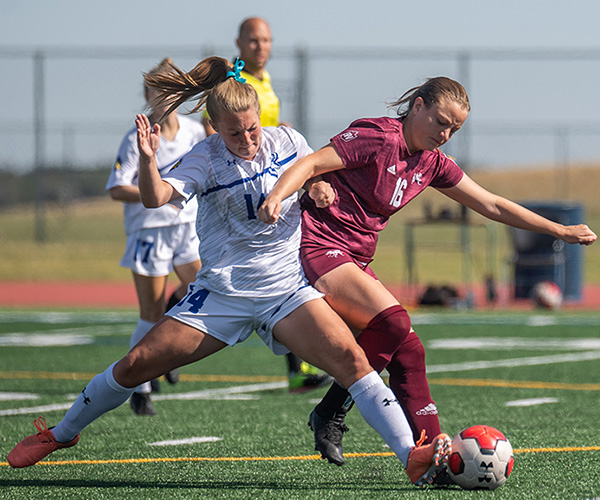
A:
(240, 254)
(125, 173)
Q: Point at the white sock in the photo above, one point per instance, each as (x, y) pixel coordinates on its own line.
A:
(141, 329)
(380, 408)
(101, 395)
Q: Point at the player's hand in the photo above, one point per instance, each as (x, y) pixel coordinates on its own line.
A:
(148, 136)
(269, 211)
(579, 233)
(322, 193)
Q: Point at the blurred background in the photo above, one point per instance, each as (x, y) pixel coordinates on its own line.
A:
(72, 83)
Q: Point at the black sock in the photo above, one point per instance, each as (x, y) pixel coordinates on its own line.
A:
(172, 300)
(294, 363)
(336, 401)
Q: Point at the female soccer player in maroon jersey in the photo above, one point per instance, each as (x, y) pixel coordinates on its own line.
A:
(376, 166)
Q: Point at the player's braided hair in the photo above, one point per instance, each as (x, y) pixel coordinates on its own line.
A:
(207, 83)
(434, 90)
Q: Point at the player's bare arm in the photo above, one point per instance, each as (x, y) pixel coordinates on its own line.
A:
(325, 160)
(154, 192)
(130, 194)
(494, 207)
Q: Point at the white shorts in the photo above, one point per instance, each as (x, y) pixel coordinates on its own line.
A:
(232, 319)
(154, 251)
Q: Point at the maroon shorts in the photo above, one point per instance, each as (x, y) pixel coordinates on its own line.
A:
(318, 261)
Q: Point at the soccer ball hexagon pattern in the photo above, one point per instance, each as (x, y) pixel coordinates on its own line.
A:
(482, 458)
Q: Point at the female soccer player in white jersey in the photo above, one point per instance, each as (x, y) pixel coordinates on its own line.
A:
(251, 278)
(159, 240)
(376, 167)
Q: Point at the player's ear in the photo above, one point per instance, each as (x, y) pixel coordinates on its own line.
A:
(418, 104)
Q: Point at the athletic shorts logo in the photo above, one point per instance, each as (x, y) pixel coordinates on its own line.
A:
(333, 254)
(348, 136)
(430, 409)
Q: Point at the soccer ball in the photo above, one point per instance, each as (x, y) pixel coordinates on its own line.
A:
(548, 295)
(482, 458)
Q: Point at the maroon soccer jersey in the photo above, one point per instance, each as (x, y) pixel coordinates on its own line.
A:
(379, 179)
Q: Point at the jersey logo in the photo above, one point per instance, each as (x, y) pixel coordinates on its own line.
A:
(348, 136)
(392, 169)
(418, 178)
(280, 163)
(176, 165)
(118, 165)
(333, 254)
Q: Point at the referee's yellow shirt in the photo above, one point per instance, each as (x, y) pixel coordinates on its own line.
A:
(269, 103)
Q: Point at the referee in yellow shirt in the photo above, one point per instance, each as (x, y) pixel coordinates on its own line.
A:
(254, 43)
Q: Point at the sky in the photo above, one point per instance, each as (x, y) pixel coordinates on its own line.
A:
(525, 95)
(347, 23)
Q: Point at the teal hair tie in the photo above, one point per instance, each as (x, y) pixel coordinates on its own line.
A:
(238, 66)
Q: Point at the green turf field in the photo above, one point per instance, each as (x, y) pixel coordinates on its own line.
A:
(533, 376)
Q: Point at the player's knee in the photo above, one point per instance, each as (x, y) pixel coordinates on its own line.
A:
(350, 365)
(397, 322)
(123, 372)
(394, 323)
(130, 370)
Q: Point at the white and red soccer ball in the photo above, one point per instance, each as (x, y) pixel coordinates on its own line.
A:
(482, 458)
(548, 295)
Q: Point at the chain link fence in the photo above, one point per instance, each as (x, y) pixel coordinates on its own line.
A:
(64, 111)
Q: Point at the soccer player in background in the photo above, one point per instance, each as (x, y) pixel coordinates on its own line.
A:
(161, 240)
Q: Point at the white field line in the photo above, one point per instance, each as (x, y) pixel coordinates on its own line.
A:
(237, 392)
(17, 396)
(516, 343)
(192, 440)
(128, 319)
(221, 393)
(531, 402)
(508, 363)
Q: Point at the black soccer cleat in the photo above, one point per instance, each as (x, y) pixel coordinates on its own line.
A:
(141, 404)
(155, 385)
(328, 436)
(442, 477)
(172, 376)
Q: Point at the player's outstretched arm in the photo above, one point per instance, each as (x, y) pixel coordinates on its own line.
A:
(317, 163)
(494, 207)
(154, 192)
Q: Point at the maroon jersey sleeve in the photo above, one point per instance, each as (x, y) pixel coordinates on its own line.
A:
(360, 143)
(448, 173)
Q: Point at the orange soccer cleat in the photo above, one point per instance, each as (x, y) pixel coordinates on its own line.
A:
(424, 462)
(37, 446)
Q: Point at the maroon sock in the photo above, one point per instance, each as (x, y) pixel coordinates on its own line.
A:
(408, 381)
(384, 335)
(380, 340)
